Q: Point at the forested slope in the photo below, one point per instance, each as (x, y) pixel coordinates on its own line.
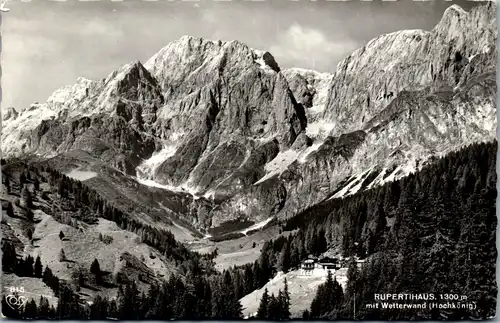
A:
(432, 232)
(130, 286)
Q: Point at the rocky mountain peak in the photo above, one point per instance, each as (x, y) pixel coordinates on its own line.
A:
(10, 113)
(132, 85)
(453, 11)
(134, 68)
(265, 60)
(70, 96)
(222, 120)
(456, 26)
(202, 60)
(412, 60)
(193, 72)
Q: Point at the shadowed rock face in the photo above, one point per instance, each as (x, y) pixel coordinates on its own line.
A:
(110, 118)
(10, 113)
(220, 105)
(112, 138)
(237, 88)
(223, 121)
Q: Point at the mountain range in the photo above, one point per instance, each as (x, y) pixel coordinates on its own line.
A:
(214, 137)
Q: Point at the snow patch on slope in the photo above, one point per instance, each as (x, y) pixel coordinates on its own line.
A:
(319, 83)
(392, 176)
(284, 159)
(179, 189)
(281, 161)
(256, 226)
(266, 177)
(261, 61)
(319, 129)
(147, 168)
(355, 182)
(151, 183)
(379, 180)
(279, 164)
(353, 185)
(81, 175)
(303, 155)
(72, 93)
(359, 184)
(260, 58)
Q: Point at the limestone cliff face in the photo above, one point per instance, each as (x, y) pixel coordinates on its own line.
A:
(390, 107)
(245, 140)
(109, 118)
(222, 99)
(239, 90)
(311, 89)
(369, 79)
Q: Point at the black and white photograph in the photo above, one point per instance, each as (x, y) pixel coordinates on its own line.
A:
(266, 160)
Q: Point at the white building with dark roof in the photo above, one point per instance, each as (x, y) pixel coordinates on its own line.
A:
(313, 266)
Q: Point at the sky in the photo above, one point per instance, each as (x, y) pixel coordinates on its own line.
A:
(48, 44)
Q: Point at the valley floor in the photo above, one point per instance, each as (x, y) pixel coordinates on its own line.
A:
(235, 252)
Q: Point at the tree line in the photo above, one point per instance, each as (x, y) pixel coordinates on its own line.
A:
(175, 298)
(284, 253)
(77, 196)
(22, 267)
(276, 308)
(196, 297)
(430, 232)
(439, 236)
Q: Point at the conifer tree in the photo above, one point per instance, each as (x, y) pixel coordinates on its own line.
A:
(30, 310)
(286, 302)
(263, 306)
(283, 312)
(328, 299)
(22, 178)
(284, 259)
(9, 257)
(99, 308)
(128, 302)
(321, 242)
(28, 266)
(38, 269)
(68, 306)
(233, 309)
(44, 310)
(273, 310)
(29, 215)
(96, 270)
(61, 188)
(8, 311)
(29, 233)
